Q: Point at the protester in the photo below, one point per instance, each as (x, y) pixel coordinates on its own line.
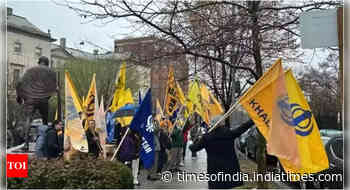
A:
(152, 175)
(52, 143)
(129, 152)
(135, 163)
(221, 155)
(60, 135)
(40, 148)
(165, 144)
(195, 133)
(188, 125)
(176, 149)
(93, 139)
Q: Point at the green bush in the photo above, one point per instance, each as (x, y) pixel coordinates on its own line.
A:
(78, 173)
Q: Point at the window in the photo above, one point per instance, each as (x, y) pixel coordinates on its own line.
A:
(18, 47)
(38, 51)
(16, 73)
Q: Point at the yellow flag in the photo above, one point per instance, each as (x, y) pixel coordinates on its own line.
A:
(280, 135)
(120, 86)
(91, 102)
(211, 106)
(267, 104)
(205, 99)
(84, 103)
(74, 135)
(194, 98)
(76, 99)
(125, 98)
(215, 107)
(180, 94)
(171, 94)
(121, 81)
(159, 111)
(311, 149)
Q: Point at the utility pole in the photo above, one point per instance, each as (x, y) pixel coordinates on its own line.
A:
(341, 46)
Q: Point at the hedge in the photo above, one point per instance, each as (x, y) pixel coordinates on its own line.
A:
(79, 173)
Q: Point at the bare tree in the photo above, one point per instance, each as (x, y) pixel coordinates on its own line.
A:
(227, 40)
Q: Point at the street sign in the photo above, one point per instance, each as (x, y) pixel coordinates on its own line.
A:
(319, 29)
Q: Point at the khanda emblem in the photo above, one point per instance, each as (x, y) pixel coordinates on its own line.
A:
(296, 116)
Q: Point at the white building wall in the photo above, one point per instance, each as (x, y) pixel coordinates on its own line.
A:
(25, 59)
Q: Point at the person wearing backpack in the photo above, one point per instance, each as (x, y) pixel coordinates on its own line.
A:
(53, 148)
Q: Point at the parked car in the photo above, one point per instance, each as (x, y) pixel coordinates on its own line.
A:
(335, 152)
(334, 147)
(242, 142)
(330, 132)
(248, 145)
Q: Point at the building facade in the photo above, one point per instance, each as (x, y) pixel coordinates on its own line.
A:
(25, 44)
(158, 55)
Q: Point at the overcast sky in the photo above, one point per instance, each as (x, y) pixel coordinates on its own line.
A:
(64, 22)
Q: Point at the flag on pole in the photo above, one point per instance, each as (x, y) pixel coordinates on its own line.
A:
(270, 111)
(215, 107)
(120, 87)
(313, 156)
(159, 111)
(273, 104)
(171, 96)
(91, 102)
(194, 98)
(100, 117)
(142, 123)
(125, 98)
(180, 94)
(76, 99)
(74, 134)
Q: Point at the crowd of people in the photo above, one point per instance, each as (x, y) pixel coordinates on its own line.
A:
(170, 143)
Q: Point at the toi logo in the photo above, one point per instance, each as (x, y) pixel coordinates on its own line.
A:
(17, 165)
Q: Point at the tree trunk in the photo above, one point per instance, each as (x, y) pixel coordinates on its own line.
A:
(261, 156)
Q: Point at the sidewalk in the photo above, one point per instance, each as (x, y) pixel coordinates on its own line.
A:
(199, 165)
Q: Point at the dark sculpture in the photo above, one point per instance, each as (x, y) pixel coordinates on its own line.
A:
(34, 90)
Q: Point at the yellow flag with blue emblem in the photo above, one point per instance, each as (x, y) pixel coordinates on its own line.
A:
(74, 135)
(260, 102)
(313, 156)
(125, 98)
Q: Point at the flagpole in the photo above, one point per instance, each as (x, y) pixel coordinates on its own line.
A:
(121, 142)
(227, 114)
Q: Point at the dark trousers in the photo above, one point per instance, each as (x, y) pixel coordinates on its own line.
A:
(184, 147)
(162, 160)
(43, 108)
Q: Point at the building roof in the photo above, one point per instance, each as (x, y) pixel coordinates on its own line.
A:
(87, 55)
(138, 39)
(22, 24)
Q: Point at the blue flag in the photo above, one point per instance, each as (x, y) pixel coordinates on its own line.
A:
(143, 125)
(110, 122)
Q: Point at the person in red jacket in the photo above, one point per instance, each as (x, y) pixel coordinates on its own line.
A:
(188, 125)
